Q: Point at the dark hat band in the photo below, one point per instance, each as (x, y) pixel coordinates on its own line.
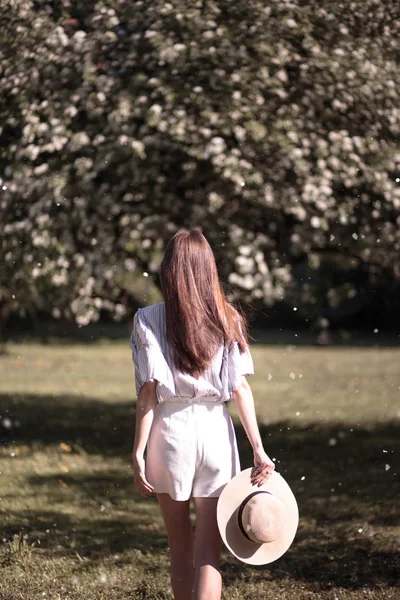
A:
(241, 508)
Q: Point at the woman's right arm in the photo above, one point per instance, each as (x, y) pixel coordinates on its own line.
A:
(145, 405)
(243, 400)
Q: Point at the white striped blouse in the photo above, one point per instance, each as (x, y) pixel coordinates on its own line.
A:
(153, 357)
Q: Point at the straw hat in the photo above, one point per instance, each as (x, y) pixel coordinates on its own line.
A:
(257, 524)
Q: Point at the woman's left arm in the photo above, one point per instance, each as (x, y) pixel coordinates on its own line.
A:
(243, 400)
(145, 405)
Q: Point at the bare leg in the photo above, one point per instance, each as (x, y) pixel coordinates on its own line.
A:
(176, 517)
(207, 551)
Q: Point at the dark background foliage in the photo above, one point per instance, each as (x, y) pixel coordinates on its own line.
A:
(272, 126)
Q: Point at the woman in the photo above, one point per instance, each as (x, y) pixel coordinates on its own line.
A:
(191, 356)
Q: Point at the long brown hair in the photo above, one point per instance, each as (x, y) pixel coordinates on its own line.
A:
(198, 316)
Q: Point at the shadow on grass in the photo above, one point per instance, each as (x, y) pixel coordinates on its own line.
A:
(93, 537)
(345, 478)
(88, 425)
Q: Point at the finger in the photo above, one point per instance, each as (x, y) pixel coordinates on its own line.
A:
(146, 486)
(261, 469)
(264, 469)
(257, 473)
(262, 466)
(261, 478)
(145, 493)
(257, 480)
(140, 479)
(257, 469)
(265, 477)
(143, 487)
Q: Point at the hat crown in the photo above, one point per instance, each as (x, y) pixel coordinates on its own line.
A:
(274, 514)
(263, 517)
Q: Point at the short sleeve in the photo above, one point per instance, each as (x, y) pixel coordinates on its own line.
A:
(239, 364)
(234, 365)
(149, 360)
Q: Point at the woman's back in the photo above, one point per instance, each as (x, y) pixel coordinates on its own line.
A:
(154, 358)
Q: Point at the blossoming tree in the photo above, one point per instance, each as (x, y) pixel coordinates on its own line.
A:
(273, 126)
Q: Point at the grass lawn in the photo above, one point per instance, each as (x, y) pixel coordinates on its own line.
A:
(73, 527)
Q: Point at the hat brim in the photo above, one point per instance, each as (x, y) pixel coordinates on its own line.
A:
(228, 506)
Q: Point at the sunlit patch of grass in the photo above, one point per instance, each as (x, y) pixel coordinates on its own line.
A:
(73, 527)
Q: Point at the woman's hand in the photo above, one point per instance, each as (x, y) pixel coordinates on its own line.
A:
(142, 485)
(263, 468)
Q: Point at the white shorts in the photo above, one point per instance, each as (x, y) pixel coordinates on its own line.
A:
(192, 449)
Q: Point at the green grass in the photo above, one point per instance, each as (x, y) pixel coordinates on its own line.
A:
(73, 527)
